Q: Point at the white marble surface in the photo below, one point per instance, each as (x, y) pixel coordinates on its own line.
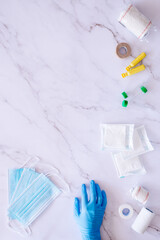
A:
(59, 79)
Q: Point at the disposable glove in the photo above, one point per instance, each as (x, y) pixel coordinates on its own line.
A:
(90, 216)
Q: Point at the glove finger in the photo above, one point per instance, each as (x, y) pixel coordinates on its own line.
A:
(76, 207)
(92, 191)
(104, 199)
(84, 196)
(99, 195)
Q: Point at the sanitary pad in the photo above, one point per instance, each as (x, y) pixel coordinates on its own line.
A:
(126, 143)
(117, 137)
(128, 167)
(141, 144)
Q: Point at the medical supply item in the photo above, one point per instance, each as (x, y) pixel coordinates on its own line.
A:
(89, 216)
(27, 177)
(140, 89)
(123, 50)
(135, 21)
(127, 167)
(141, 144)
(14, 176)
(31, 190)
(143, 89)
(124, 103)
(140, 194)
(124, 94)
(143, 220)
(32, 202)
(117, 136)
(136, 61)
(134, 71)
(125, 211)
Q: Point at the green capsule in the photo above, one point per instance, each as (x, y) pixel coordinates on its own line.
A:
(124, 103)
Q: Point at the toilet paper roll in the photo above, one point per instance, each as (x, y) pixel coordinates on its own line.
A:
(143, 220)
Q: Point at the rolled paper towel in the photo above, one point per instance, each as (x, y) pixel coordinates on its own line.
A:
(143, 220)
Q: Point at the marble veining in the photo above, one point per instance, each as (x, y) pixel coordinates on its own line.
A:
(59, 79)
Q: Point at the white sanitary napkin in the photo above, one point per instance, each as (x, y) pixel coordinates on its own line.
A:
(128, 167)
(117, 136)
(127, 143)
(141, 144)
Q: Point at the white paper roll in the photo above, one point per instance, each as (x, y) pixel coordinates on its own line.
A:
(143, 220)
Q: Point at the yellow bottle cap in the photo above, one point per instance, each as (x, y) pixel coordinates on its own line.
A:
(128, 68)
(124, 75)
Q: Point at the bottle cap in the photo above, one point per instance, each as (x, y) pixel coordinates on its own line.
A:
(125, 103)
(124, 75)
(144, 89)
(128, 68)
(124, 94)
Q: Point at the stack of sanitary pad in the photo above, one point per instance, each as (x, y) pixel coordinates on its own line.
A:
(126, 144)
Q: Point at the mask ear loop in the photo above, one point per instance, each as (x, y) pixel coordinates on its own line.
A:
(66, 189)
(19, 228)
(34, 160)
(48, 170)
(45, 168)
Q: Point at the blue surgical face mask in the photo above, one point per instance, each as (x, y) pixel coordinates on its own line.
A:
(34, 200)
(13, 178)
(27, 177)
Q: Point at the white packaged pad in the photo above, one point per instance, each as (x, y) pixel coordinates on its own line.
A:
(128, 167)
(117, 136)
(141, 144)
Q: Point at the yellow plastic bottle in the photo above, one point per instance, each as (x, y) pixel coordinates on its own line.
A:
(133, 71)
(136, 61)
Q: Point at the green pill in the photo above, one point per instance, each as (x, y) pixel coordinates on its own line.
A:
(124, 103)
(144, 89)
(124, 94)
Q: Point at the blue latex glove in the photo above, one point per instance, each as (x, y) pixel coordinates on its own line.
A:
(90, 217)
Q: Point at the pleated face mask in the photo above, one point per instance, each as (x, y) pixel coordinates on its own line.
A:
(27, 176)
(14, 176)
(34, 200)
